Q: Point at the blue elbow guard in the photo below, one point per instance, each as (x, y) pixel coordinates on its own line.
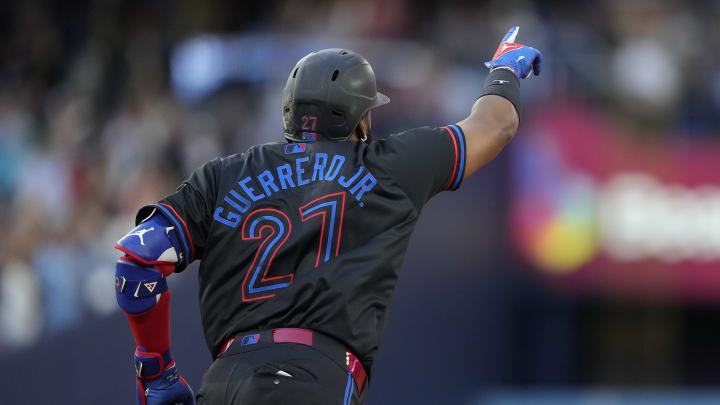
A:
(151, 250)
(138, 288)
(154, 241)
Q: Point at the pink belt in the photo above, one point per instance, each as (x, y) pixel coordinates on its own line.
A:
(304, 337)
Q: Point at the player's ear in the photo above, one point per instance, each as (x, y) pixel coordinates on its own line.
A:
(363, 129)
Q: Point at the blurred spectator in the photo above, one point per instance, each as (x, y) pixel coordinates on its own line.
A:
(20, 314)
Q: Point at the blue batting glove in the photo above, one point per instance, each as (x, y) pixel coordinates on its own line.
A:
(521, 59)
(168, 389)
(158, 382)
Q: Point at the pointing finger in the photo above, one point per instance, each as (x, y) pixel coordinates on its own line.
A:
(537, 64)
(511, 35)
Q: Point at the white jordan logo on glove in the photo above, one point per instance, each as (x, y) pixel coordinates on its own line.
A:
(140, 232)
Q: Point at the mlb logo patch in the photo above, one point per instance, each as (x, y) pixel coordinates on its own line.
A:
(295, 148)
(309, 136)
(249, 339)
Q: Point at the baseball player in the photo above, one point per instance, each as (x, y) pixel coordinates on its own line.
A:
(300, 242)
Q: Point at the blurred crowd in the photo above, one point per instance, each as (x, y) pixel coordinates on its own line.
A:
(92, 124)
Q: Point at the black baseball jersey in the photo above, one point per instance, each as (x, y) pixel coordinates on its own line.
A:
(309, 235)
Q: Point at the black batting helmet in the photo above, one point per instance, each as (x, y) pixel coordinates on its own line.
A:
(327, 94)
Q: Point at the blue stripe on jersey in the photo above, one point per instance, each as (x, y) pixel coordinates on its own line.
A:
(461, 169)
(348, 390)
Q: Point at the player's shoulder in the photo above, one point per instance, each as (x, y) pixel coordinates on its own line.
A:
(424, 130)
(410, 138)
(417, 133)
(233, 160)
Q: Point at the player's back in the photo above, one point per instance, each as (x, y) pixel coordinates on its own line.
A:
(311, 235)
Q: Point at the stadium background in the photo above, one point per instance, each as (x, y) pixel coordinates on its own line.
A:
(580, 267)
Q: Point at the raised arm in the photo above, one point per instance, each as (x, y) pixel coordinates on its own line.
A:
(494, 118)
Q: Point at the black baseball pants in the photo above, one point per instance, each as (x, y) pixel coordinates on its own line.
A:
(278, 374)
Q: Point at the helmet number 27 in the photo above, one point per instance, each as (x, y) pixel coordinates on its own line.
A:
(309, 122)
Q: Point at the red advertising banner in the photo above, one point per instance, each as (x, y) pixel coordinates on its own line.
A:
(596, 208)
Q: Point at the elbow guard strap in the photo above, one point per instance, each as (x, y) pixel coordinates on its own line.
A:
(151, 365)
(137, 288)
(501, 81)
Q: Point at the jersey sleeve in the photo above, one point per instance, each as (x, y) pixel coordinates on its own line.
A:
(189, 210)
(427, 160)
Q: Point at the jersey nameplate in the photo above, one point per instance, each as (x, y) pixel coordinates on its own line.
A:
(303, 171)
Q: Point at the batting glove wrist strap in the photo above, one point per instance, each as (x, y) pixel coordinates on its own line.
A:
(151, 365)
(169, 388)
(503, 82)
